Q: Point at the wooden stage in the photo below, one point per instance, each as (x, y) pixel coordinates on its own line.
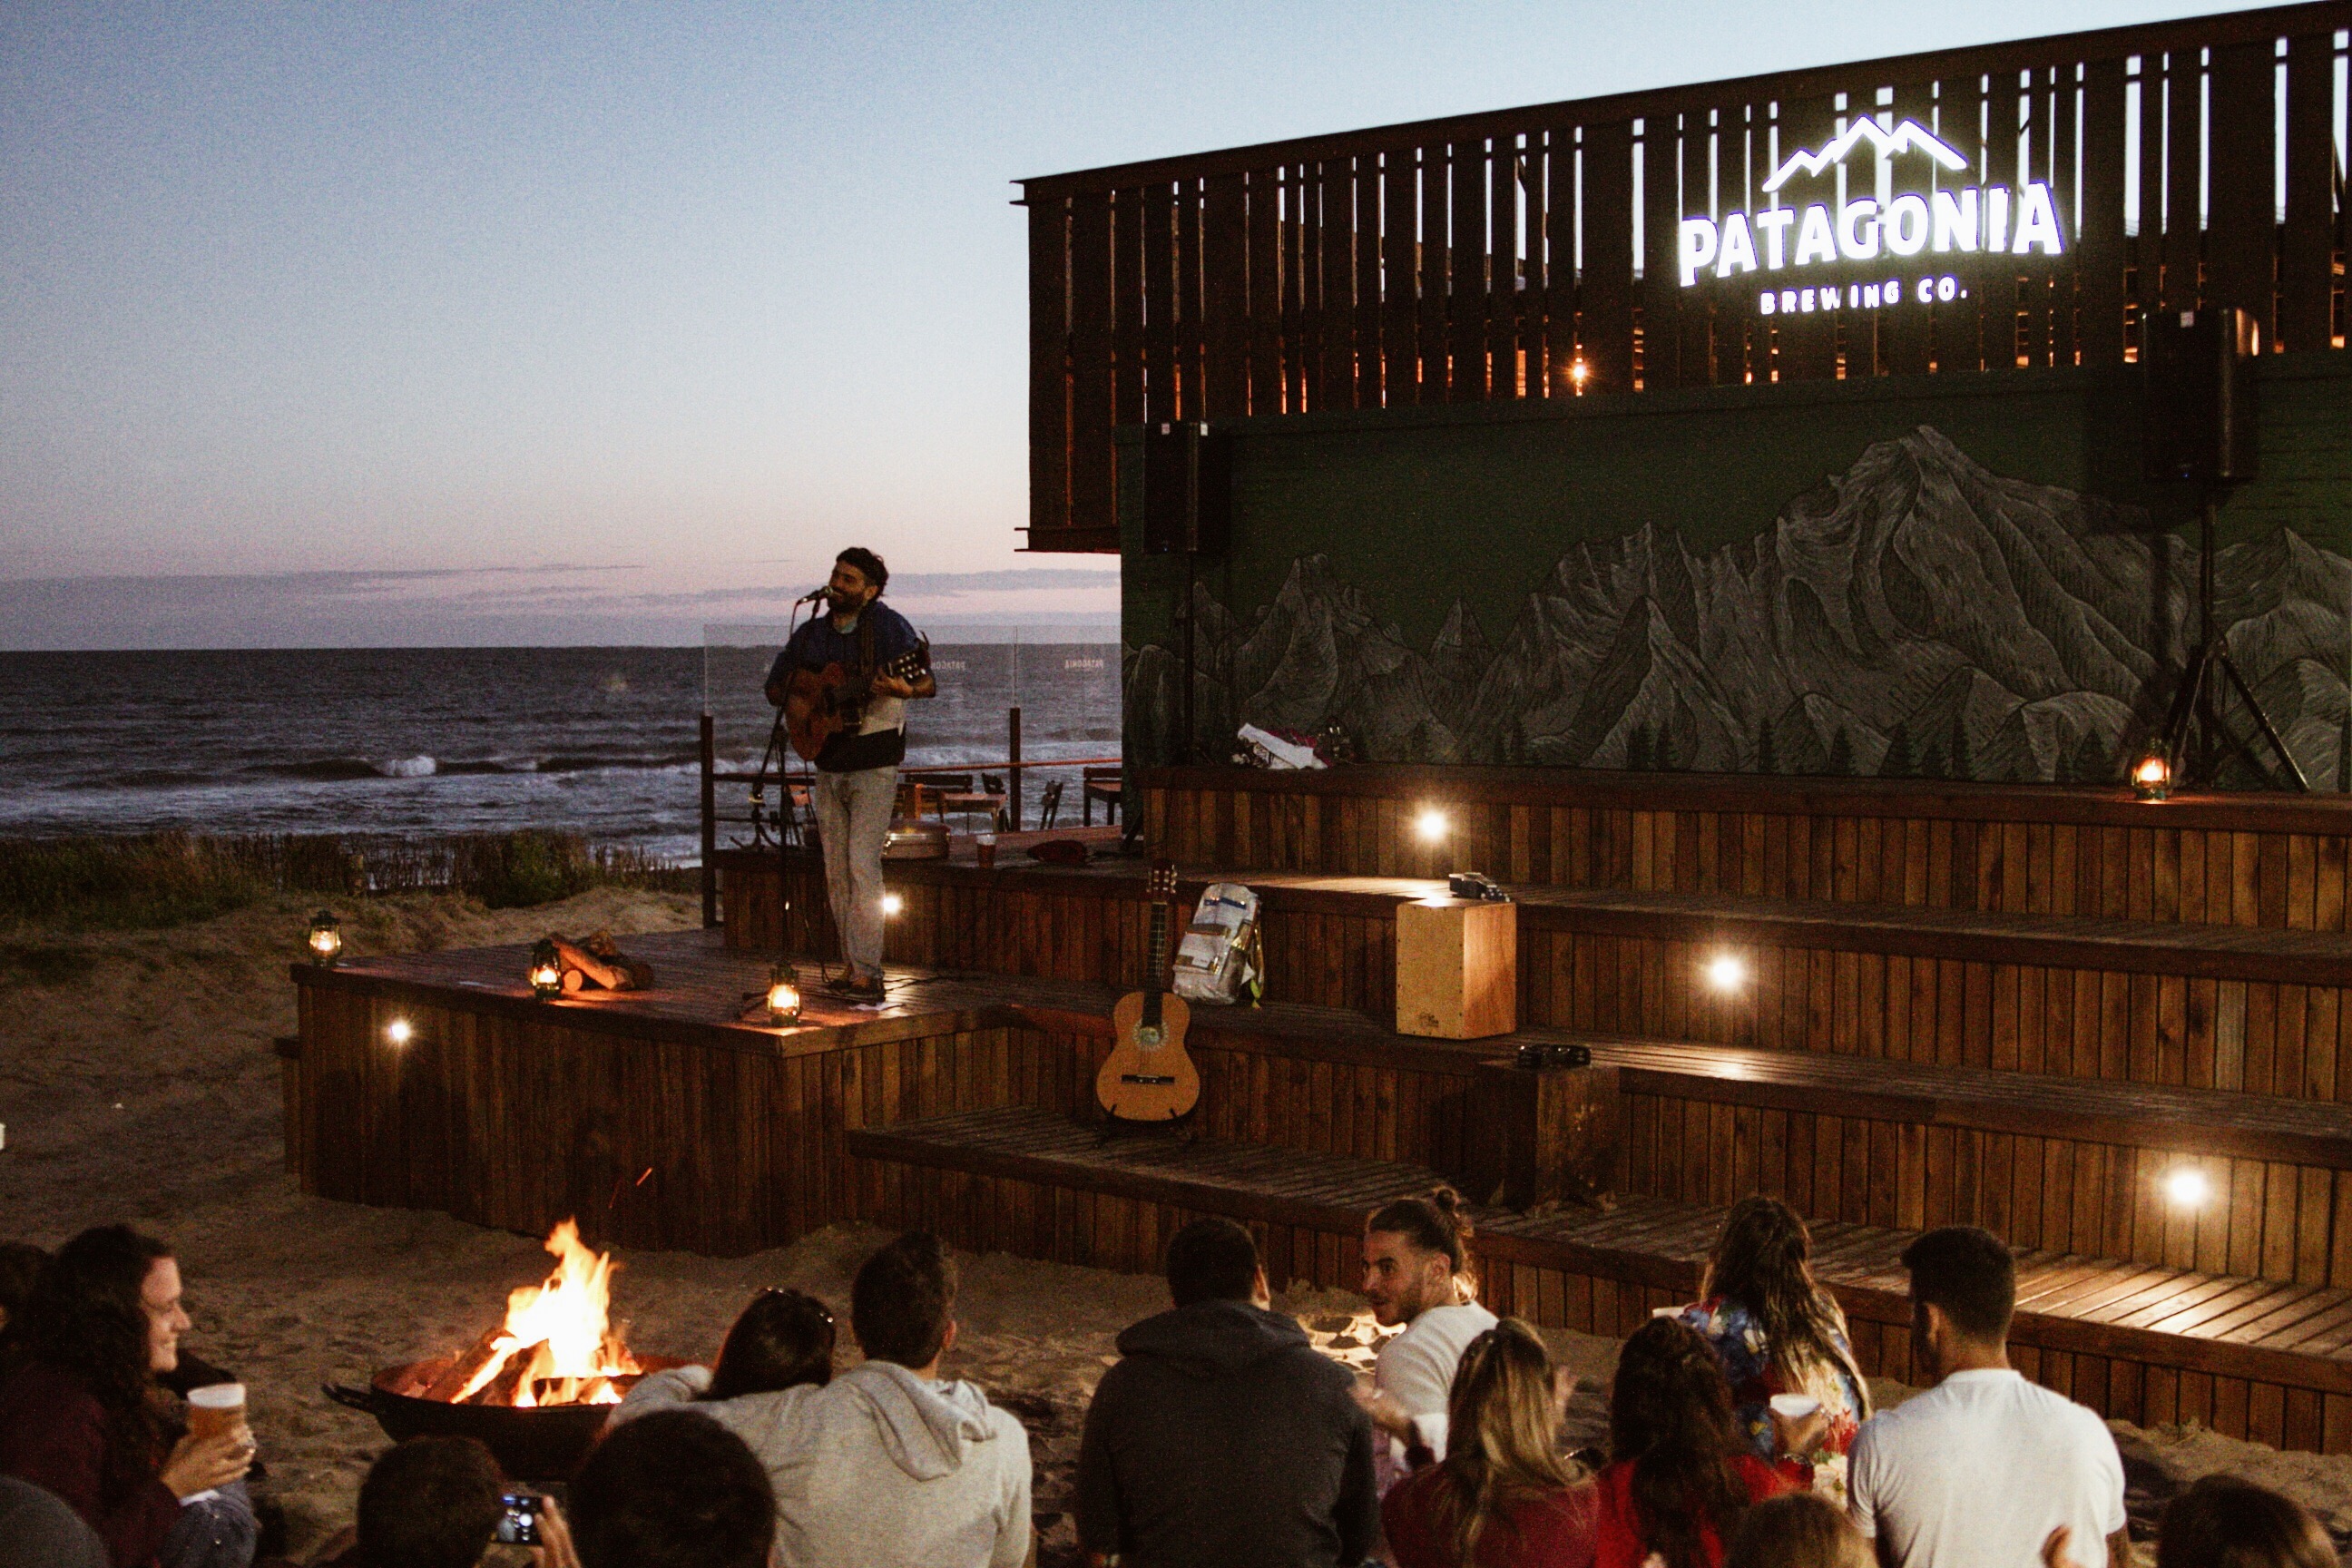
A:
(1970, 1034)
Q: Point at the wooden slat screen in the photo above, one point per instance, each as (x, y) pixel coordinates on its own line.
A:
(1492, 257)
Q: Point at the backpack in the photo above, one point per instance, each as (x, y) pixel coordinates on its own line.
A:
(1221, 959)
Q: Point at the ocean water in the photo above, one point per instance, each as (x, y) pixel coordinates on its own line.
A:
(418, 743)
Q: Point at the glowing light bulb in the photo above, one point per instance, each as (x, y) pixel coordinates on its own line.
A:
(1726, 972)
(891, 904)
(1579, 373)
(398, 1031)
(2152, 780)
(2186, 1186)
(1429, 826)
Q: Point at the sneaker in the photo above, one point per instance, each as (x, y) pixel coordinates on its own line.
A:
(865, 988)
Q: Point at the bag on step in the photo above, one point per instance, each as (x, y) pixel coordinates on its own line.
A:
(1221, 961)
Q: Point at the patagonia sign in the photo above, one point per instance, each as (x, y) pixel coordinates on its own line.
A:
(1809, 247)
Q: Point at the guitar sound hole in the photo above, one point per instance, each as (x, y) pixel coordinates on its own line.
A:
(1146, 1037)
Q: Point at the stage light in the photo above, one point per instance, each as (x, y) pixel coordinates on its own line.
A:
(2152, 780)
(2186, 1187)
(398, 1031)
(326, 940)
(783, 995)
(1726, 972)
(1429, 826)
(891, 904)
(546, 970)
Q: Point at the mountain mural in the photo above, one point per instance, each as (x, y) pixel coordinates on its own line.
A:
(1914, 616)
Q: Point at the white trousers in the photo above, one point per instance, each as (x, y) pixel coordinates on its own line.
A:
(853, 822)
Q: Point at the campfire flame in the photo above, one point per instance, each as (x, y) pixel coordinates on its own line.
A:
(563, 1331)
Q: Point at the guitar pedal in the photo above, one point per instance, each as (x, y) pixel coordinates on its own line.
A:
(1474, 885)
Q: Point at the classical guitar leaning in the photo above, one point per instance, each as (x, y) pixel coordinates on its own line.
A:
(820, 703)
(1147, 1077)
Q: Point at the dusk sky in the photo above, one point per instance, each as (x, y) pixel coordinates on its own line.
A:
(380, 323)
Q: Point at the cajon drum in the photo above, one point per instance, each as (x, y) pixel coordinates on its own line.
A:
(1457, 965)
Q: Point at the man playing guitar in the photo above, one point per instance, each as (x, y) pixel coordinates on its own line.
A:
(856, 781)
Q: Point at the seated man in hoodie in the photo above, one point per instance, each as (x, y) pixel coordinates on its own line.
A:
(887, 1466)
(1223, 1435)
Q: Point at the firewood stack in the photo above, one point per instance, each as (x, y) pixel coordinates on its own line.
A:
(598, 961)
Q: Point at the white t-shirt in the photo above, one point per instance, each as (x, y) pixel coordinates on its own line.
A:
(1977, 1471)
(1416, 1369)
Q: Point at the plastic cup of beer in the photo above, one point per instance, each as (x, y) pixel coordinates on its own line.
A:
(1794, 1406)
(215, 1409)
(985, 844)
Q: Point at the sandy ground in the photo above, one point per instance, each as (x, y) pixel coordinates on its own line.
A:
(136, 1082)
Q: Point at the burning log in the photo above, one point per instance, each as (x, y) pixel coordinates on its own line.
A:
(462, 1372)
(502, 1389)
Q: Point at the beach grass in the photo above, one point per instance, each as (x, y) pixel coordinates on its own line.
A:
(152, 880)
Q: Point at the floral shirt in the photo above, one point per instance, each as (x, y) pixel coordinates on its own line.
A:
(1755, 1377)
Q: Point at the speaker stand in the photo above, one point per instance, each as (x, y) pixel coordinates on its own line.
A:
(2197, 706)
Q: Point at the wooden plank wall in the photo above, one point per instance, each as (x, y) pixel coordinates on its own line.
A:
(2263, 1036)
(1100, 1231)
(1479, 259)
(2269, 1219)
(1870, 853)
(646, 1143)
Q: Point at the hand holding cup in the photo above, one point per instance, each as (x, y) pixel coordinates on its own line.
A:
(1799, 1424)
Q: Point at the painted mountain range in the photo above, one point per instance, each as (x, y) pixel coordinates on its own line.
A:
(1914, 616)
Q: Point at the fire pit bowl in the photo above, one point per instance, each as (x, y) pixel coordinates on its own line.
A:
(543, 1443)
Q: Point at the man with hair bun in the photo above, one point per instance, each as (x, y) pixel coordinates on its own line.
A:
(857, 783)
(1417, 1273)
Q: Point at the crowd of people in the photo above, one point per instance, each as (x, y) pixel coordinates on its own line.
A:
(1741, 1433)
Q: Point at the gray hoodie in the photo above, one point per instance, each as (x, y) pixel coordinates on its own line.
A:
(879, 1468)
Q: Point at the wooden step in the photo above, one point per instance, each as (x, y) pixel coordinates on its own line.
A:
(2270, 1358)
(2204, 1006)
(2057, 1162)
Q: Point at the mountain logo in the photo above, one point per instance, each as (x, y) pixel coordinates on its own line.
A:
(1993, 219)
(1909, 136)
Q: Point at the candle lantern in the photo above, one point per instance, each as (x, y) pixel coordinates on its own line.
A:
(326, 940)
(783, 995)
(2152, 780)
(546, 970)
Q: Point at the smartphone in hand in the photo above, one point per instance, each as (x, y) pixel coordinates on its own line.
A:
(518, 1525)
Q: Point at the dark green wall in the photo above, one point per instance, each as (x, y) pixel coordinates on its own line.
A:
(1419, 505)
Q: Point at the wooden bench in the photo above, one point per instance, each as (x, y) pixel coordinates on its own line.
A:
(2146, 1343)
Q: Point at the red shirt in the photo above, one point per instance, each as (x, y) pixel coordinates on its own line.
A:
(54, 1434)
(1618, 1535)
(1554, 1531)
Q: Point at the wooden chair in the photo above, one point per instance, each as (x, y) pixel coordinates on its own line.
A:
(920, 791)
(1098, 785)
(1049, 804)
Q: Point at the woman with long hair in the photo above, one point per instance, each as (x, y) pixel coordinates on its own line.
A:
(776, 1356)
(2223, 1522)
(1776, 1329)
(81, 1412)
(1503, 1497)
(1680, 1473)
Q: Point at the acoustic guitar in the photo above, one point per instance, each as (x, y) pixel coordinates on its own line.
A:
(821, 703)
(1147, 1077)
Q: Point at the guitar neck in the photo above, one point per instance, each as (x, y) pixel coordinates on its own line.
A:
(1156, 956)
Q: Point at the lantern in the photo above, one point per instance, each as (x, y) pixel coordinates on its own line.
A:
(325, 941)
(546, 970)
(783, 995)
(2152, 780)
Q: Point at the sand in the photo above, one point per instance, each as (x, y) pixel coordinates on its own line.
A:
(137, 1082)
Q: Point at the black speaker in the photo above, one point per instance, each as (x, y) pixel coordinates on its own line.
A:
(2200, 418)
(1188, 484)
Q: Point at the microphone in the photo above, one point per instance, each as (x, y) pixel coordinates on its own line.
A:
(814, 596)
